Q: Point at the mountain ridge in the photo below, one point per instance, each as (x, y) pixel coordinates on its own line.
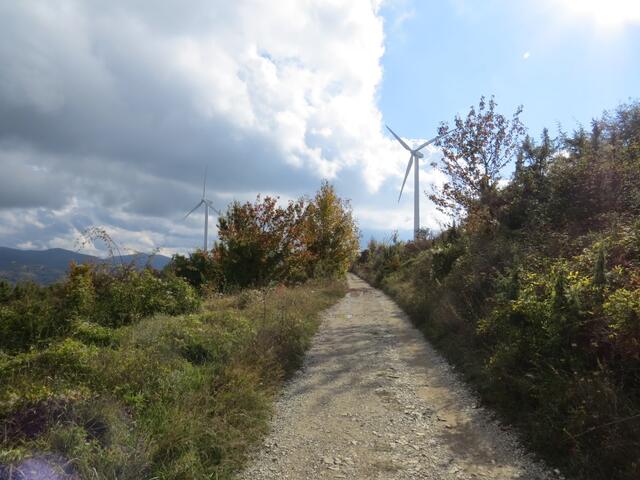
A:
(48, 266)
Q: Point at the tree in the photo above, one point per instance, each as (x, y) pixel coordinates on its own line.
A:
(525, 198)
(475, 152)
(261, 242)
(200, 269)
(80, 293)
(331, 236)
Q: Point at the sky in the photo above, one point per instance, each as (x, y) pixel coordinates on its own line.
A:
(111, 111)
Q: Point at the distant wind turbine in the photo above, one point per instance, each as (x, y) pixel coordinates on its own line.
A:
(208, 204)
(415, 155)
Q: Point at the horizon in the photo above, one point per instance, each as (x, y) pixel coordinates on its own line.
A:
(80, 252)
(110, 113)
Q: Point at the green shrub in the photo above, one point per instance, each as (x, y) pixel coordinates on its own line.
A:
(166, 396)
(79, 292)
(623, 308)
(94, 334)
(32, 316)
(67, 358)
(5, 291)
(200, 269)
(135, 295)
(545, 324)
(28, 320)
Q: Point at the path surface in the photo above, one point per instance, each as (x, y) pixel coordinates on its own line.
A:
(375, 401)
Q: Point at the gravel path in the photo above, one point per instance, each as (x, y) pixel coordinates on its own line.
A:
(375, 401)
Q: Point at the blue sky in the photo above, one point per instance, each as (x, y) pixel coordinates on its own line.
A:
(444, 54)
(564, 61)
(110, 111)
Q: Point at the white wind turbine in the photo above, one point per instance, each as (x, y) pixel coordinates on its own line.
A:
(415, 155)
(208, 204)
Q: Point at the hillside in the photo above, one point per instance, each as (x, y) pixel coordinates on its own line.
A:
(48, 266)
(535, 291)
(134, 373)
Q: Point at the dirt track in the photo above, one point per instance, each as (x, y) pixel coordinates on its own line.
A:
(374, 400)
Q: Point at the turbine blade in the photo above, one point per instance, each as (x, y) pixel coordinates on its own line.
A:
(405, 176)
(204, 184)
(399, 139)
(193, 209)
(427, 143)
(210, 203)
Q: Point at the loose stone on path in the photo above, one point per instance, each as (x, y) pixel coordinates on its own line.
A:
(375, 401)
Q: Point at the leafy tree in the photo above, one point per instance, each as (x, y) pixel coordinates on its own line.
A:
(528, 192)
(80, 294)
(261, 242)
(330, 233)
(475, 152)
(538, 156)
(200, 269)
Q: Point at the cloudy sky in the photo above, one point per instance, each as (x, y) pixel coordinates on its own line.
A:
(110, 111)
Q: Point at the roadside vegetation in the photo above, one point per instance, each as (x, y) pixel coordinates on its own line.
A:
(534, 290)
(120, 373)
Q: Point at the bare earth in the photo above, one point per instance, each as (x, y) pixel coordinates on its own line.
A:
(375, 401)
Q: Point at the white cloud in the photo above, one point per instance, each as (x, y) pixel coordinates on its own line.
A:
(526, 55)
(606, 14)
(398, 218)
(109, 111)
(503, 182)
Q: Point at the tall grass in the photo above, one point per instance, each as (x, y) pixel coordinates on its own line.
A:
(176, 397)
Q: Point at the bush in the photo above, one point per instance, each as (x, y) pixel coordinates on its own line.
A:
(79, 292)
(262, 243)
(134, 295)
(29, 318)
(94, 334)
(623, 308)
(200, 269)
(166, 397)
(539, 303)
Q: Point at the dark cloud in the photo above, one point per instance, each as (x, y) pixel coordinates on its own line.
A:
(110, 111)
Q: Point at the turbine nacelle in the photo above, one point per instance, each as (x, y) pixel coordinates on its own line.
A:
(415, 155)
(208, 204)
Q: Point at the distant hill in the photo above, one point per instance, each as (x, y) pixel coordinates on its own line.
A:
(47, 266)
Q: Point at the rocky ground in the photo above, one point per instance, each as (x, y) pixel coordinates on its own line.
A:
(374, 400)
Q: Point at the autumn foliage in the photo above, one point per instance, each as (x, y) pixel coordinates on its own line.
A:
(263, 242)
(134, 373)
(475, 152)
(535, 290)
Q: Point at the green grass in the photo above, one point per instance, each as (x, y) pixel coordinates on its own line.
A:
(168, 397)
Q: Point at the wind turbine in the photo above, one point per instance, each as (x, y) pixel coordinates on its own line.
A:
(415, 155)
(208, 204)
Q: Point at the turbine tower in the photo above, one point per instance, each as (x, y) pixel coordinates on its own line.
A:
(208, 204)
(415, 156)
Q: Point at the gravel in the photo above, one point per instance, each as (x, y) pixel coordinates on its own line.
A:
(375, 401)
